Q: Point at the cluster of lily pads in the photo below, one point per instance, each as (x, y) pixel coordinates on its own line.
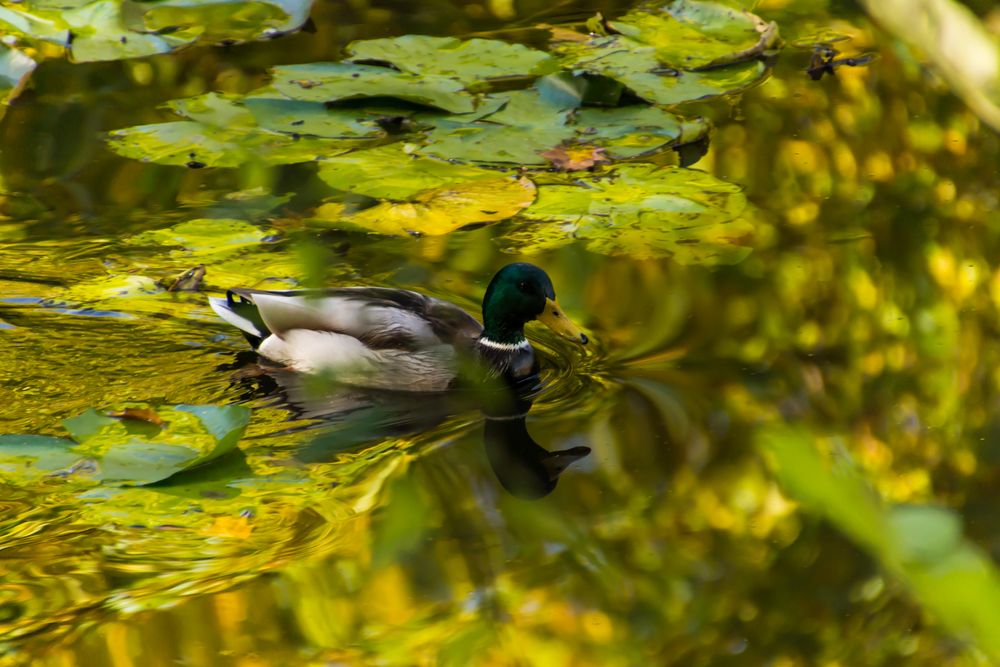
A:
(435, 133)
(96, 30)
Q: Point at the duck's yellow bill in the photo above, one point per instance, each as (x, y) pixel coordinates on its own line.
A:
(554, 318)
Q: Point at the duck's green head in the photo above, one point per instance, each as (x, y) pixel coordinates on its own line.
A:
(520, 293)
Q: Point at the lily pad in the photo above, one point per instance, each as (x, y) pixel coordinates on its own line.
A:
(99, 33)
(331, 82)
(642, 211)
(527, 125)
(281, 114)
(195, 145)
(532, 123)
(214, 109)
(682, 51)
(442, 210)
(696, 34)
(220, 20)
(15, 68)
(627, 132)
(205, 236)
(466, 61)
(389, 172)
(126, 449)
(29, 457)
(114, 30)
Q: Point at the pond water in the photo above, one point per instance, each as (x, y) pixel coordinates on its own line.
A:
(865, 312)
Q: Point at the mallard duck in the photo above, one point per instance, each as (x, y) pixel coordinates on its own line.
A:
(397, 339)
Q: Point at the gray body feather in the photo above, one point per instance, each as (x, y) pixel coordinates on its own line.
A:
(363, 336)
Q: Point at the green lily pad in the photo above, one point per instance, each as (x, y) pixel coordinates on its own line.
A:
(204, 236)
(214, 109)
(30, 457)
(195, 145)
(389, 172)
(527, 125)
(136, 446)
(533, 122)
(331, 82)
(15, 68)
(694, 34)
(642, 211)
(99, 33)
(19, 21)
(683, 51)
(637, 67)
(627, 132)
(280, 114)
(115, 29)
(221, 20)
(465, 61)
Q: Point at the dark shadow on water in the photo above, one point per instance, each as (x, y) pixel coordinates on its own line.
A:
(350, 418)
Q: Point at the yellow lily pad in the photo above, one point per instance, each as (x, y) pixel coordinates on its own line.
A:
(442, 210)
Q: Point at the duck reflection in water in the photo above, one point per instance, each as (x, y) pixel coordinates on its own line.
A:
(350, 418)
(523, 467)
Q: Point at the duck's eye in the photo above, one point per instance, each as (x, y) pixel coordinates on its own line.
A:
(523, 286)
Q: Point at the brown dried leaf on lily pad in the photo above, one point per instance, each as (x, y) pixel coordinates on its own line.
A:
(147, 415)
(575, 158)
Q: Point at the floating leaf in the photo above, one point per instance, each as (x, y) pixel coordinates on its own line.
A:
(388, 172)
(29, 457)
(331, 82)
(15, 68)
(312, 118)
(215, 109)
(694, 34)
(466, 61)
(533, 123)
(642, 211)
(196, 145)
(442, 210)
(674, 54)
(204, 236)
(222, 20)
(99, 33)
(638, 68)
(137, 451)
(627, 132)
(527, 125)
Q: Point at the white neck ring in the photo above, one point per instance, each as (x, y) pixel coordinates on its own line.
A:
(504, 347)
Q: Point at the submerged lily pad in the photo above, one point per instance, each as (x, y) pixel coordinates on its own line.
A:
(443, 209)
(642, 211)
(128, 450)
(465, 61)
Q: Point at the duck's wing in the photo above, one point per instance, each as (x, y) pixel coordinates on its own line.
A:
(379, 317)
